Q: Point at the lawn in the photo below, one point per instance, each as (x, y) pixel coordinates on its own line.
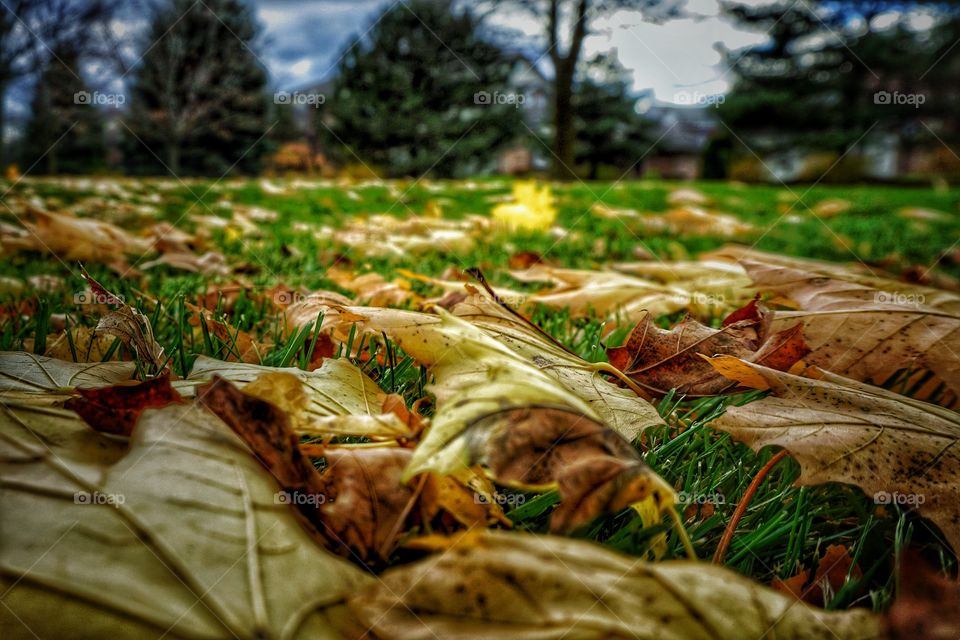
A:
(785, 528)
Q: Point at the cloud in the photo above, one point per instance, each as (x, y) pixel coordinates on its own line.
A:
(304, 40)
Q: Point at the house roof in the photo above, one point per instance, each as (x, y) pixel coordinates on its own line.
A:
(682, 128)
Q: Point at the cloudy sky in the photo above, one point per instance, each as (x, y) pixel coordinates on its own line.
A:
(304, 40)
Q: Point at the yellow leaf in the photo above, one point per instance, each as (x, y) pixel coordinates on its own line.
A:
(531, 209)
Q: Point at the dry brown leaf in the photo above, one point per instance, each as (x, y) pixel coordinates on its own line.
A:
(594, 468)
(211, 263)
(503, 585)
(116, 409)
(364, 504)
(83, 239)
(26, 372)
(660, 360)
(871, 333)
(128, 324)
(898, 449)
(829, 578)
(373, 289)
(88, 345)
(693, 221)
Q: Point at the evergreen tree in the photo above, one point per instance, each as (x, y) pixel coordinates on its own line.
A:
(198, 99)
(422, 94)
(609, 130)
(824, 78)
(65, 130)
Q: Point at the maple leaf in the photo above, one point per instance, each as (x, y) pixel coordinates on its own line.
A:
(867, 327)
(898, 449)
(659, 360)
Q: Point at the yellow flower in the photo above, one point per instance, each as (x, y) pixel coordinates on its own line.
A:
(531, 209)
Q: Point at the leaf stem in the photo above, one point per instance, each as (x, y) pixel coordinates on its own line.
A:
(682, 533)
(606, 367)
(742, 507)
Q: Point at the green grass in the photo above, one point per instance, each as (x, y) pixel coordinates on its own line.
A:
(786, 527)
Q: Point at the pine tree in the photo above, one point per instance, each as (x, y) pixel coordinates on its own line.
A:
(609, 130)
(815, 84)
(198, 100)
(423, 94)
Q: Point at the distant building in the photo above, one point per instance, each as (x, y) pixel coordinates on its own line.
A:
(680, 132)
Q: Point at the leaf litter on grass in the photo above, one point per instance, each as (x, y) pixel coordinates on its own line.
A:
(417, 453)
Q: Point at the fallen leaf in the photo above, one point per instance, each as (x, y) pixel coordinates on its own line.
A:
(868, 331)
(364, 503)
(492, 584)
(620, 409)
(336, 399)
(898, 449)
(128, 324)
(88, 345)
(176, 531)
(660, 360)
(693, 221)
(831, 207)
(373, 289)
(116, 409)
(211, 263)
(530, 208)
(686, 195)
(927, 603)
(83, 239)
(829, 578)
(594, 468)
(31, 373)
(485, 395)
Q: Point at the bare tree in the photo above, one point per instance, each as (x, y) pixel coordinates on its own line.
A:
(567, 23)
(198, 92)
(31, 30)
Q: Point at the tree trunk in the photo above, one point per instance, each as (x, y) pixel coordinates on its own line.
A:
(173, 157)
(563, 131)
(3, 140)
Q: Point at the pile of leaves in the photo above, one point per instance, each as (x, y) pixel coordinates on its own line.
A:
(250, 500)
